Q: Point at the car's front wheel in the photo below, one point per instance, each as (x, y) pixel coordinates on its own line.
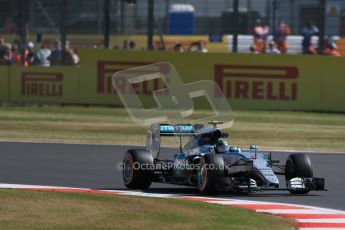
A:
(137, 169)
(298, 166)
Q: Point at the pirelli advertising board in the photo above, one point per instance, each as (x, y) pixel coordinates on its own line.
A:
(44, 85)
(247, 81)
(295, 82)
(4, 84)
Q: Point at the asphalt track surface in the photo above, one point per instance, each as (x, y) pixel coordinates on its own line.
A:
(94, 166)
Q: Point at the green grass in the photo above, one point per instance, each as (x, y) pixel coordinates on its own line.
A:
(52, 210)
(269, 129)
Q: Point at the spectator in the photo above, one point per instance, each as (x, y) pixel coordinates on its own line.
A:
(31, 55)
(281, 32)
(272, 48)
(193, 47)
(260, 36)
(307, 32)
(253, 50)
(202, 47)
(199, 46)
(75, 57)
(160, 45)
(125, 45)
(43, 54)
(5, 55)
(131, 45)
(71, 58)
(178, 47)
(5, 52)
(15, 55)
(56, 54)
(331, 50)
(312, 49)
(128, 45)
(3, 44)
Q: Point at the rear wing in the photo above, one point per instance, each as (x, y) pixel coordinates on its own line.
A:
(156, 131)
(176, 130)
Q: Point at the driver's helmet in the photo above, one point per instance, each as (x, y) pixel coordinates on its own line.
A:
(222, 146)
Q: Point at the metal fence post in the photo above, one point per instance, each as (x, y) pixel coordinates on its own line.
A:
(106, 23)
(322, 25)
(23, 27)
(235, 26)
(150, 24)
(274, 15)
(63, 15)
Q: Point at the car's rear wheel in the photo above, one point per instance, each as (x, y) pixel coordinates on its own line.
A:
(137, 169)
(298, 165)
(210, 173)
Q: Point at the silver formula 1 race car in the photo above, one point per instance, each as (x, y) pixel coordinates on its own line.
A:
(210, 164)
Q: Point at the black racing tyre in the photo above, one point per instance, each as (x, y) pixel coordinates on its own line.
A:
(210, 174)
(136, 172)
(298, 165)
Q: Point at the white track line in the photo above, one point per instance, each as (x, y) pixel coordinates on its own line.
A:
(335, 220)
(294, 211)
(321, 228)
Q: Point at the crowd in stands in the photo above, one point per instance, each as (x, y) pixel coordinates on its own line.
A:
(10, 54)
(198, 46)
(279, 44)
(52, 54)
(128, 45)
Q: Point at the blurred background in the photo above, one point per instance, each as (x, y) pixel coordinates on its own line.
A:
(222, 25)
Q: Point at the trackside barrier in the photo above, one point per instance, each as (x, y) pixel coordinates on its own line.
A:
(4, 84)
(248, 81)
(44, 85)
(284, 82)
